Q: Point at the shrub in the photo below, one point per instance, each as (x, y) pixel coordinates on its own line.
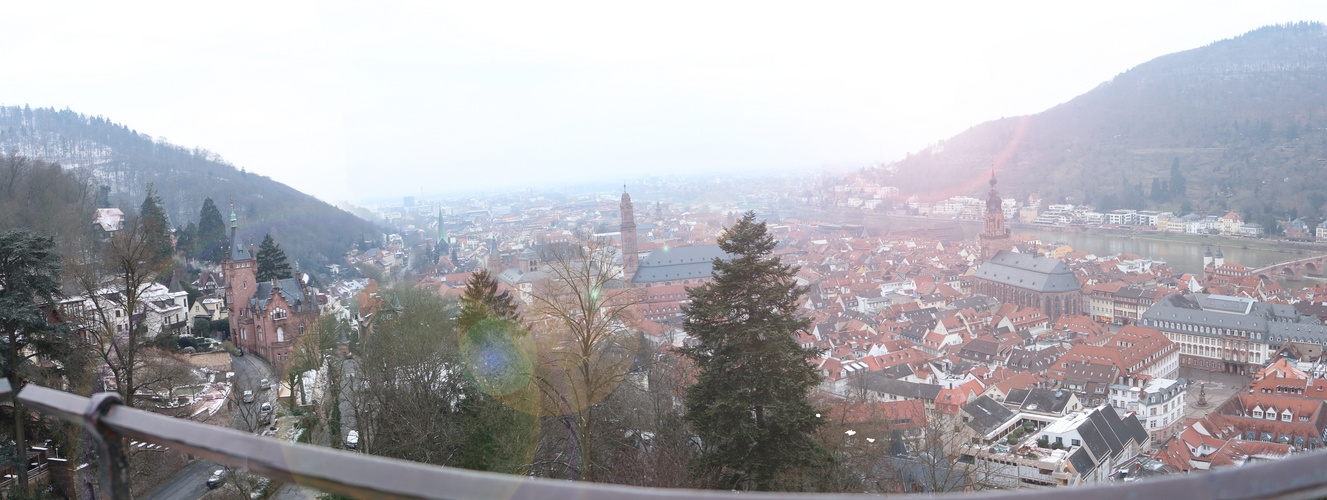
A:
(1044, 442)
(1057, 446)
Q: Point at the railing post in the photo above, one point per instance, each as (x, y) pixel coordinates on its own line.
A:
(110, 447)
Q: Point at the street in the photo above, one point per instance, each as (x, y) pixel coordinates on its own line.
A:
(190, 482)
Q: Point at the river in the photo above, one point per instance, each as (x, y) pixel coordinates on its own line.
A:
(1182, 256)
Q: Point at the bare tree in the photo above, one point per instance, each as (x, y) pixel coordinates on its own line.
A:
(936, 460)
(113, 280)
(408, 385)
(163, 372)
(584, 319)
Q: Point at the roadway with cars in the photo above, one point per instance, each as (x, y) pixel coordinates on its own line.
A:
(191, 481)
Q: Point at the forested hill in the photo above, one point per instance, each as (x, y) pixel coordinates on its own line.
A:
(1241, 120)
(125, 161)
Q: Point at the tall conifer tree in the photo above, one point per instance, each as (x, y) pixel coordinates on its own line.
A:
(272, 263)
(211, 236)
(749, 405)
(155, 224)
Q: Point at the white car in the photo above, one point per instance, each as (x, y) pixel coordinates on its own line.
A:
(352, 439)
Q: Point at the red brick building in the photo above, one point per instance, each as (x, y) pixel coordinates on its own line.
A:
(265, 318)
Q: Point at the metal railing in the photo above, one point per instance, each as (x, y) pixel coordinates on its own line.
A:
(365, 476)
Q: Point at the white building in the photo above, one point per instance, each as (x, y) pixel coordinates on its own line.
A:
(1158, 403)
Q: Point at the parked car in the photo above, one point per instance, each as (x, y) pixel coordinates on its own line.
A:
(247, 397)
(352, 439)
(267, 407)
(216, 478)
(264, 384)
(266, 419)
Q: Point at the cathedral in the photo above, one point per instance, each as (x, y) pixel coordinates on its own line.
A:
(265, 318)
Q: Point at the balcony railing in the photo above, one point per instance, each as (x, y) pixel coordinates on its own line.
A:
(366, 476)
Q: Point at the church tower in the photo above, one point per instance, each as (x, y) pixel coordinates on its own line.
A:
(995, 237)
(629, 263)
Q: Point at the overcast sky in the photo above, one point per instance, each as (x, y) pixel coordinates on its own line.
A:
(380, 99)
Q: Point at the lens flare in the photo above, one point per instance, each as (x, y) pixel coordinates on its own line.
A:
(496, 358)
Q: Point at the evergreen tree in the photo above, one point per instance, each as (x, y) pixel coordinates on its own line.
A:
(482, 300)
(29, 286)
(211, 233)
(156, 224)
(749, 405)
(185, 238)
(272, 263)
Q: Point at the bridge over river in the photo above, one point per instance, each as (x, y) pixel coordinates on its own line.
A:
(1294, 269)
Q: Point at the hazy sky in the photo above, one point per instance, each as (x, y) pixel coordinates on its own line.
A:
(379, 99)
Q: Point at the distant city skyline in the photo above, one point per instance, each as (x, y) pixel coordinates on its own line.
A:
(370, 102)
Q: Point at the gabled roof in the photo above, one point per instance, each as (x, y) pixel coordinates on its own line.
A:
(878, 382)
(1082, 462)
(290, 290)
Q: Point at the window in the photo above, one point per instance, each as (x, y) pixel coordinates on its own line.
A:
(1075, 442)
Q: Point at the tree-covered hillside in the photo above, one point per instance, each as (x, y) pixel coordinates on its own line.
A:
(1238, 123)
(125, 161)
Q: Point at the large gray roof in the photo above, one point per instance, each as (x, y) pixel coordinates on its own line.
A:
(1270, 323)
(678, 263)
(1028, 272)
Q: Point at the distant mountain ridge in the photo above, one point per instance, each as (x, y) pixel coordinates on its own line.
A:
(1242, 119)
(125, 161)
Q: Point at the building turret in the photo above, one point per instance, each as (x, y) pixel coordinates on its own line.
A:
(1207, 257)
(1220, 258)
